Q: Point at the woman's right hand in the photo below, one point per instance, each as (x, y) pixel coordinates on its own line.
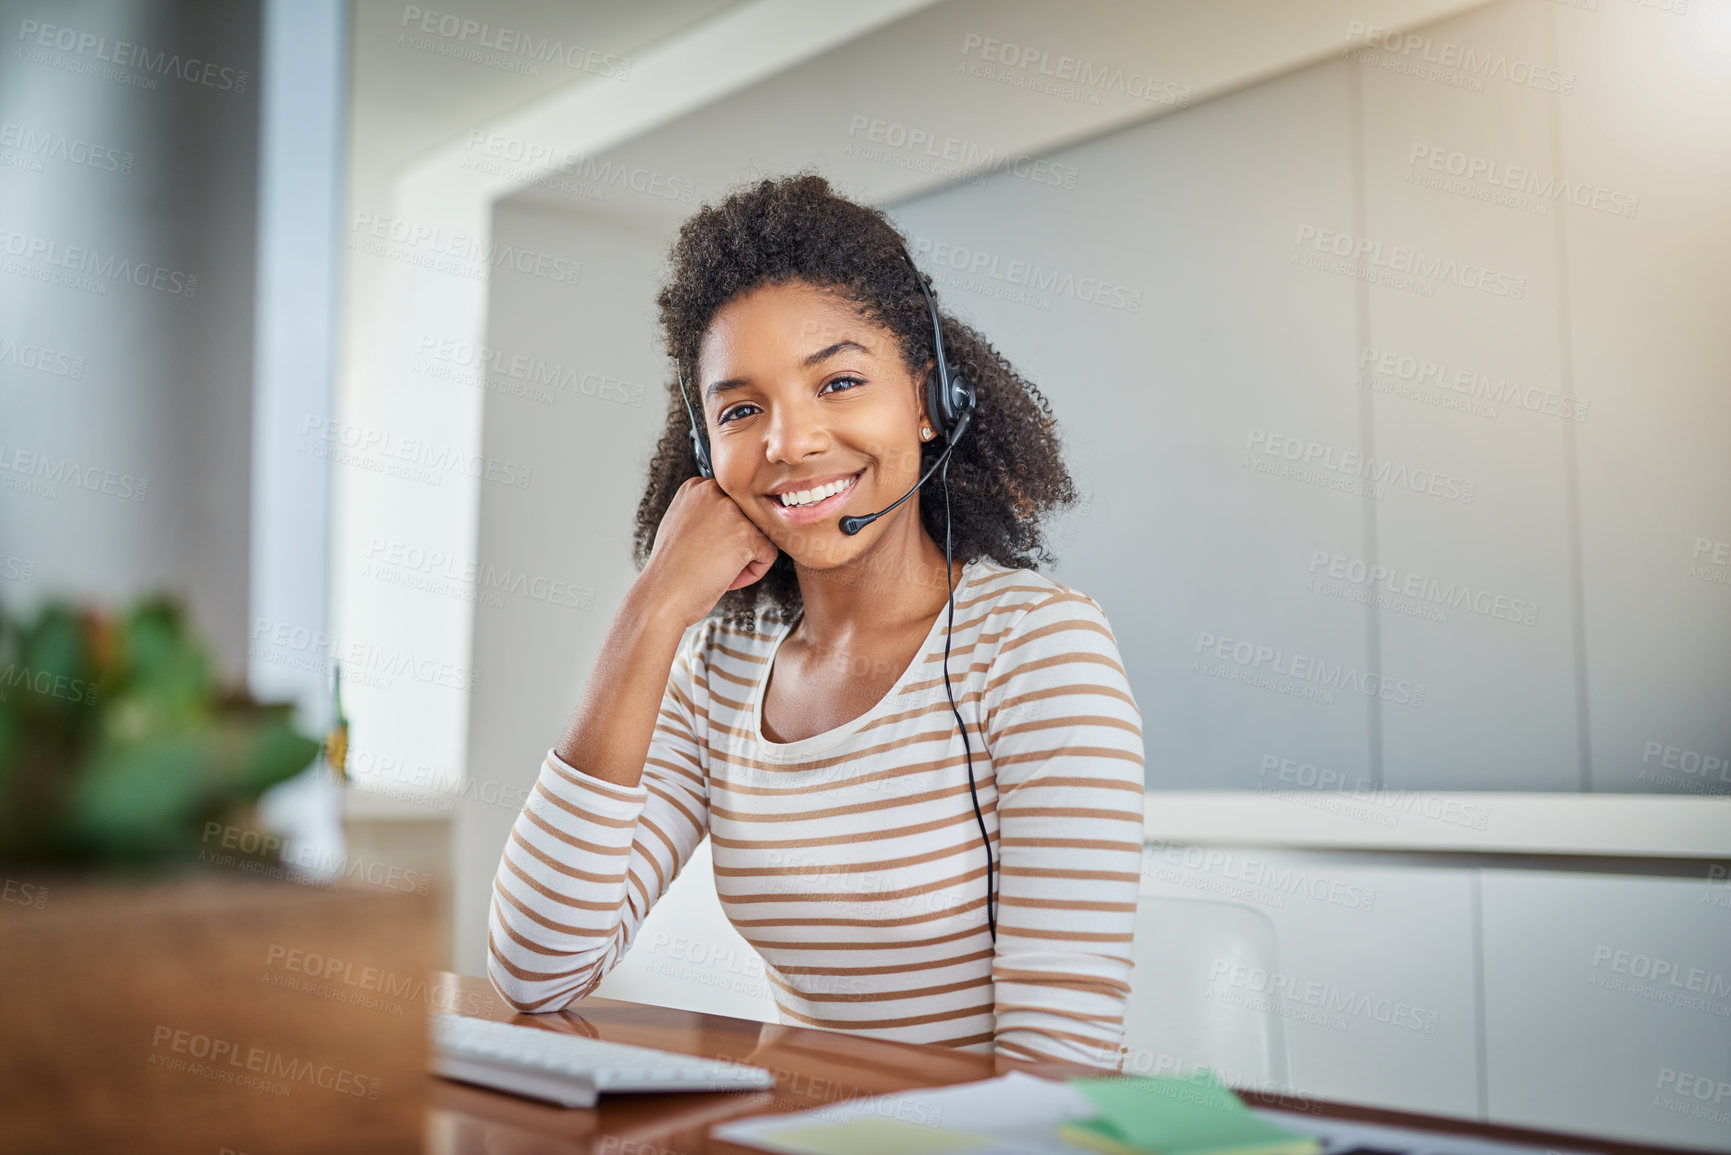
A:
(704, 546)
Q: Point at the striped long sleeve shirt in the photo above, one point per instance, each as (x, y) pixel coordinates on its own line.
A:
(852, 860)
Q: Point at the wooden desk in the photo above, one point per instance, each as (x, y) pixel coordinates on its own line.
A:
(812, 1067)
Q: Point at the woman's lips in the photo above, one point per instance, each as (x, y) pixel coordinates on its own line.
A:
(806, 514)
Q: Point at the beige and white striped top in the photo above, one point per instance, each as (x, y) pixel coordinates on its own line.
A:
(852, 860)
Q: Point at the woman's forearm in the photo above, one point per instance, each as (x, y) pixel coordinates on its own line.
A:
(613, 724)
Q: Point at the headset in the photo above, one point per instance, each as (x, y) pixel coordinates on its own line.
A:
(950, 406)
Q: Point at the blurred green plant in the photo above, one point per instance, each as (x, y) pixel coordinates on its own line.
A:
(117, 744)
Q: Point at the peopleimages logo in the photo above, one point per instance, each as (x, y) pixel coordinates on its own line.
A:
(187, 68)
(42, 360)
(975, 264)
(1427, 590)
(368, 980)
(1306, 668)
(539, 377)
(45, 683)
(461, 254)
(936, 151)
(1668, 972)
(1328, 997)
(1696, 769)
(1698, 1096)
(1397, 368)
(1471, 61)
(1036, 68)
(39, 146)
(232, 1062)
(1224, 866)
(1313, 455)
(382, 447)
(1411, 262)
(265, 853)
(1497, 177)
(403, 563)
(1710, 561)
(518, 156)
(1381, 804)
(48, 472)
(513, 42)
(76, 259)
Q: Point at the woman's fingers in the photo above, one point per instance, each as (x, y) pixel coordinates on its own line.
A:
(757, 566)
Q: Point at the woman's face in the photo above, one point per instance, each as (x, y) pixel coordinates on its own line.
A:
(810, 393)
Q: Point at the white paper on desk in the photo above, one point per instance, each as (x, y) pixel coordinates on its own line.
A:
(1339, 1135)
(1016, 1114)
(1019, 1114)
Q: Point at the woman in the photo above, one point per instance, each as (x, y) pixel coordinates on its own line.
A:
(779, 685)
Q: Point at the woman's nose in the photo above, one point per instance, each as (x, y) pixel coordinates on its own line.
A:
(795, 432)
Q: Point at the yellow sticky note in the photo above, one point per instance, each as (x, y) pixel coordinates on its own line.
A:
(873, 1135)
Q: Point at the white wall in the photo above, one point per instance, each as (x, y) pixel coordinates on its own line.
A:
(556, 555)
(1588, 519)
(136, 443)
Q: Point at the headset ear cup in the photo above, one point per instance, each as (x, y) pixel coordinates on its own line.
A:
(701, 451)
(962, 396)
(938, 406)
(957, 406)
(699, 441)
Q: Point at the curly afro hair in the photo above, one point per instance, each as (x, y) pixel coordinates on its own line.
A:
(1007, 474)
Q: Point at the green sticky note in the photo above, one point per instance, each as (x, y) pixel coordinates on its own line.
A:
(873, 1135)
(1178, 1115)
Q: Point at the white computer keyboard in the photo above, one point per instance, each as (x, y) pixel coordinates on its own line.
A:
(572, 1070)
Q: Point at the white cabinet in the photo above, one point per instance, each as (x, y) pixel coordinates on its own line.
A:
(1608, 1005)
(1604, 1005)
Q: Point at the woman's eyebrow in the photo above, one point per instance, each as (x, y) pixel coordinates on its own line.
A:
(832, 350)
(717, 388)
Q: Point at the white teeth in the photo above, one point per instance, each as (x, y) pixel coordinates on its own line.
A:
(811, 496)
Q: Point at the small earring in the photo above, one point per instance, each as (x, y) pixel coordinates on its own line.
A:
(926, 433)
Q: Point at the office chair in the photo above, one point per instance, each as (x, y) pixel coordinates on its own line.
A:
(1185, 1011)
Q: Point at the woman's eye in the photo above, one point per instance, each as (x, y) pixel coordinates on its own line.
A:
(723, 417)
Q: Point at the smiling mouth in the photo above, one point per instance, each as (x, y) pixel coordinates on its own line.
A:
(822, 506)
